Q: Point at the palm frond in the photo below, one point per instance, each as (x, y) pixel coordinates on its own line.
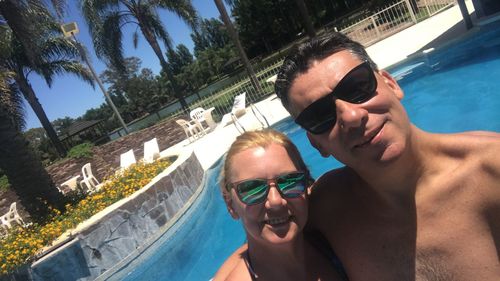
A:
(182, 8)
(58, 47)
(58, 67)
(111, 39)
(13, 12)
(135, 39)
(94, 12)
(58, 6)
(152, 21)
(11, 99)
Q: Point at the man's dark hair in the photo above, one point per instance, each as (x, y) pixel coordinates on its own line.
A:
(300, 58)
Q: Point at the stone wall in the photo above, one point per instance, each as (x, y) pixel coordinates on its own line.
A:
(113, 237)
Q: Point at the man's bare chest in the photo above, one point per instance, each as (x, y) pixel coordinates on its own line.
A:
(439, 248)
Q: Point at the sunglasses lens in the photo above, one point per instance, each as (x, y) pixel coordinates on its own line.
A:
(252, 191)
(292, 185)
(318, 117)
(357, 86)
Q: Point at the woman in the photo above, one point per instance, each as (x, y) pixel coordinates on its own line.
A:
(264, 183)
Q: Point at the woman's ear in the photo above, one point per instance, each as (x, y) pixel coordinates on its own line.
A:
(392, 84)
(229, 203)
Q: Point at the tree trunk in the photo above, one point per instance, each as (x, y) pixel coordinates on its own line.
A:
(25, 172)
(236, 40)
(164, 65)
(21, 29)
(306, 18)
(30, 96)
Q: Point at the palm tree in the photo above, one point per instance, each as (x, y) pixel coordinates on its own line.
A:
(25, 172)
(236, 40)
(55, 55)
(106, 18)
(14, 13)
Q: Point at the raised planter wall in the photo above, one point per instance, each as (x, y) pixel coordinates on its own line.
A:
(121, 231)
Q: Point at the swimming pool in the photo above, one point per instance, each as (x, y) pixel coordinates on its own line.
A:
(453, 89)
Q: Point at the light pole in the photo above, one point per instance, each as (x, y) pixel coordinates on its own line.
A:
(70, 30)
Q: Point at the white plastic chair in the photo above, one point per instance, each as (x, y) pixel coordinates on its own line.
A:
(238, 109)
(199, 115)
(127, 159)
(12, 216)
(193, 128)
(151, 151)
(89, 181)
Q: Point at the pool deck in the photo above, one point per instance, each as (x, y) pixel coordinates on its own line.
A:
(430, 33)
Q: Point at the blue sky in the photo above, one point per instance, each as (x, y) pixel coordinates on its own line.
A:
(71, 97)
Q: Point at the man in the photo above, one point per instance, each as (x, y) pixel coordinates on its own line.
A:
(409, 205)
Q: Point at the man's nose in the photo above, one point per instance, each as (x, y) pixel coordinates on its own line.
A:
(350, 115)
(274, 199)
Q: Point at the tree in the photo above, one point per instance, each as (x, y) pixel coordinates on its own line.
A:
(24, 171)
(234, 35)
(179, 58)
(14, 13)
(106, 18)
(117, 80)
(211, 34)
(55, 55)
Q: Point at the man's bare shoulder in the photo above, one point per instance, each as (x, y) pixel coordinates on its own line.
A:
(480, 147)
(334, 181)
(474, 158)
(332, 192)
(231, 267)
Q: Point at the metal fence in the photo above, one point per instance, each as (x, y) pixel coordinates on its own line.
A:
(393, 18)
(221, 99)
(381, 24)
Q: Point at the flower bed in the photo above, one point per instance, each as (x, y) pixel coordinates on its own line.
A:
(22, 245)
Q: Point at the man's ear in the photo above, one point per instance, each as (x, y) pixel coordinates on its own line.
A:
(392, 83)
(229, 203)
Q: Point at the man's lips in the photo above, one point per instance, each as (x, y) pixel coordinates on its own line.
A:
(369, 137)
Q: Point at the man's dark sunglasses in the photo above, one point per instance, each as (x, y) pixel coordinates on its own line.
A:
(255, 191)
(357, 86)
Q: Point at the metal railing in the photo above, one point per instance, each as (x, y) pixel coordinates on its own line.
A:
(374, 28)
(392, 19)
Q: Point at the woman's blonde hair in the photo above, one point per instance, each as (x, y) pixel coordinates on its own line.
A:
(262, 139)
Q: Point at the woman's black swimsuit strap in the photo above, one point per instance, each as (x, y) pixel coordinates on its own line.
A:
(319, 241)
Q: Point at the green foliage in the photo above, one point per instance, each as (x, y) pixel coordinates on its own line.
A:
(4, 183)
(83, 150)
(41, 145)
(212, 34)
(179, 58)
(265, 26)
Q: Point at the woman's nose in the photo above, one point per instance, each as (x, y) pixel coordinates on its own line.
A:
(350, 115)
(274, 199)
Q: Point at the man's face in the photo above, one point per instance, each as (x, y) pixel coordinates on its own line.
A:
(375, 130)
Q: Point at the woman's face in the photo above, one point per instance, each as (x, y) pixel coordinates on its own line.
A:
(277, 219)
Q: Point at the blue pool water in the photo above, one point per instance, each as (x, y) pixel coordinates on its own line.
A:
(452, 89)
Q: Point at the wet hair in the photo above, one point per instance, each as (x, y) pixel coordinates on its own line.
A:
(301, 57)
(264, 138)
